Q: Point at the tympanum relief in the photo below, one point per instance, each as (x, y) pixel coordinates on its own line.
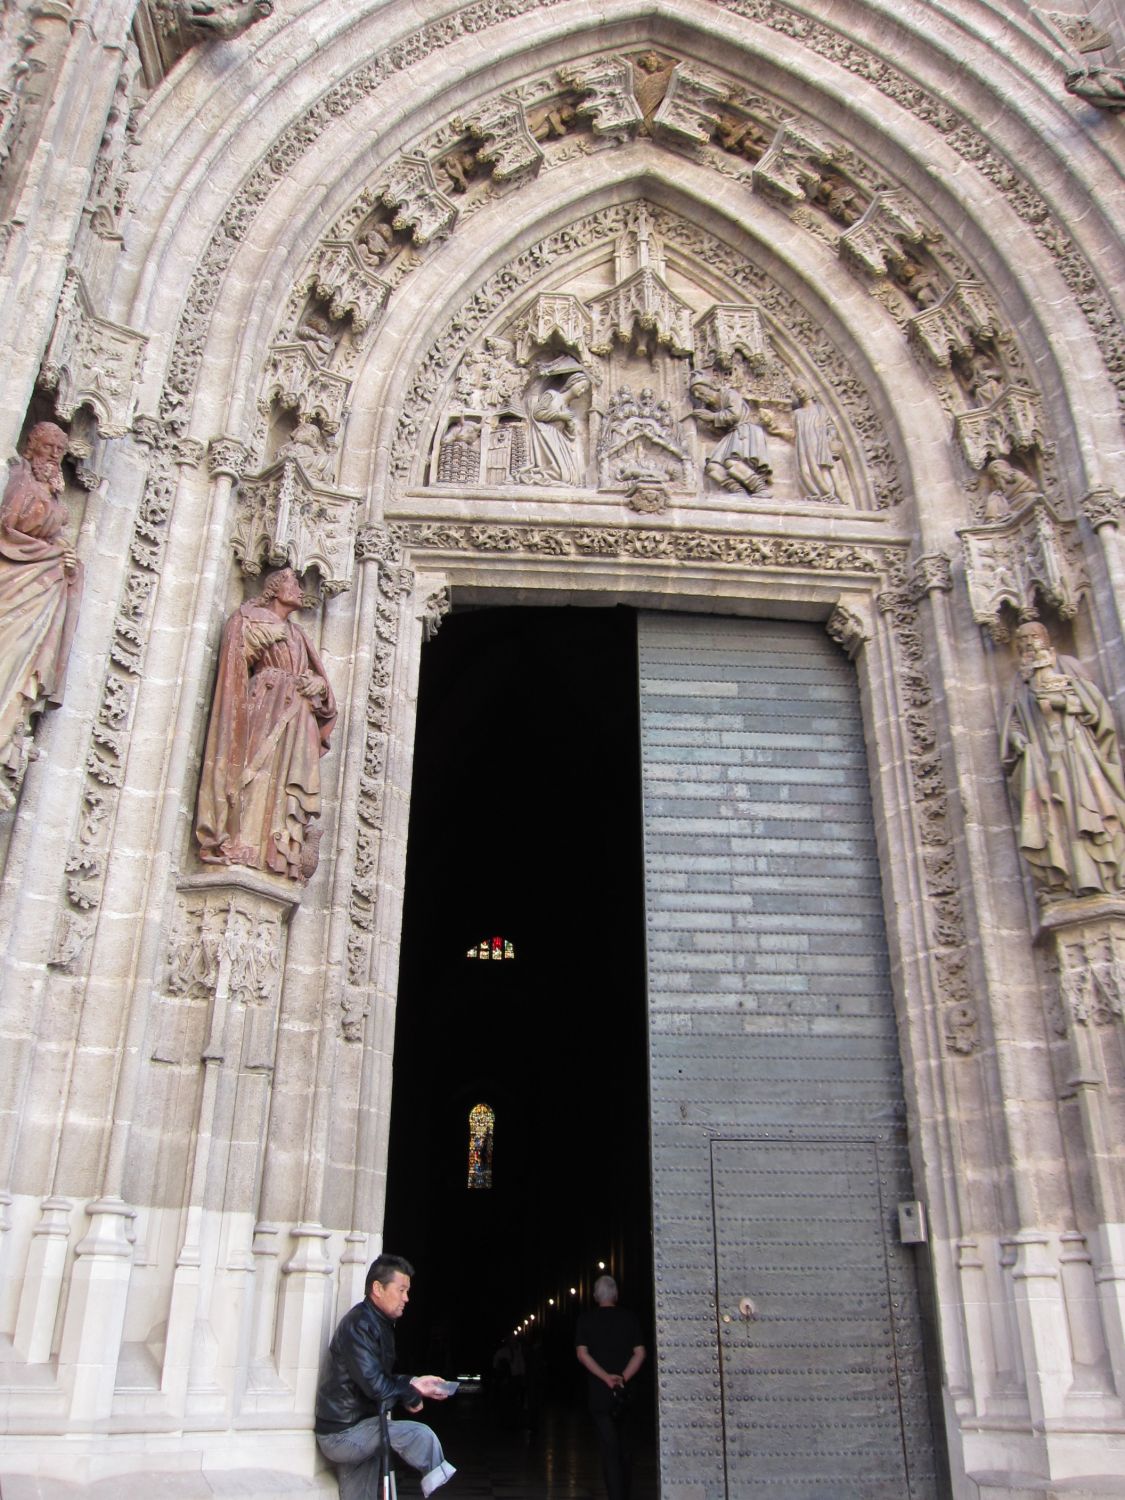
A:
(629, 380)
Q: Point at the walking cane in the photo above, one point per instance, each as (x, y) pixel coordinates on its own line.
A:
(387, 1490)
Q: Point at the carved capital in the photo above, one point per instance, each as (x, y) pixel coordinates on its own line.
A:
(1013, 564)
(340, 278)
(1102, 508)
(931, 573)
(90, 361)
(1089, 948)
(506, 143)
(284, 520)
(227, 947)
(295, 381)
(228, 457)
(436, 604)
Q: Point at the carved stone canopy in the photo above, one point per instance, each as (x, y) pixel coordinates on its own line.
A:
(285, 519)
(92, 362)
(1032, 556)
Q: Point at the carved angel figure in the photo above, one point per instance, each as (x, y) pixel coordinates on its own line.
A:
(740, 461)
(271, 719)
(40, 591)
(1059, 748)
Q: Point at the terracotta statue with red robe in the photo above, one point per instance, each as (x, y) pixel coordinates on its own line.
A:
(272, 715)
(40, 591)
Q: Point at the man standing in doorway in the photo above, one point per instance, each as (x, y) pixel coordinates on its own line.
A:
(358, 1387)
(608, 1344)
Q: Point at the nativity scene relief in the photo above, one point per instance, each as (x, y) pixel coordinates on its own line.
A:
(647, 389)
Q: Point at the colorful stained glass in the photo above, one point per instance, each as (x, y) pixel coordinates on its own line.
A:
(482, 1126)
(497, 947)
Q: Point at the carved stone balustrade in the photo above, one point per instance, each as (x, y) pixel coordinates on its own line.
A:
(1030, 556)
(285, 519)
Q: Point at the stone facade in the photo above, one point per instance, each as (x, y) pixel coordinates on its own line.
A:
(770, 309)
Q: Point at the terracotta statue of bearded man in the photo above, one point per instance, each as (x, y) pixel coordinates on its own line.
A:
(1059, 748)
(271, 719)
(40, 591)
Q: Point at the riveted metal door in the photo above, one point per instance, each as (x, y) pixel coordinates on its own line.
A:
(788, 1330)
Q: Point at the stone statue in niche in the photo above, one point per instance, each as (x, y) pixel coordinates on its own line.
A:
(554, 400)
(309, 447)
(1011, 489)
(1059, 749)
(40, 591)
(271, 719)
(741, 460)
(316, 330)
(376, 243)
(818, 448)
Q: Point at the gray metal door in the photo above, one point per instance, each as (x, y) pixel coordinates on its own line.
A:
(788, 1330)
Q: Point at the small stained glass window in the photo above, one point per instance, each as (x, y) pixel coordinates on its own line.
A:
(482, 1127)
(497, 947)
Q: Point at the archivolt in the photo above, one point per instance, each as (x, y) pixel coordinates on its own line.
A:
(805, 61)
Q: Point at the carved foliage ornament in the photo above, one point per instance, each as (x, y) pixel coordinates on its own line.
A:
(105, 758)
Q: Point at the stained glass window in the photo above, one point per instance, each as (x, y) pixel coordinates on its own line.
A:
(496, 947)
(482, 1124)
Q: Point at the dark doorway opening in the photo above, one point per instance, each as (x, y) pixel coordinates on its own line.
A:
(525, 825)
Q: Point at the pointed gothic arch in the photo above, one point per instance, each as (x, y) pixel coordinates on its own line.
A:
(797, 163)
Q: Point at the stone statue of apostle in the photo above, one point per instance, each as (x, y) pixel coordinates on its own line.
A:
(40, 591)
(1059, 748)
(271, 719)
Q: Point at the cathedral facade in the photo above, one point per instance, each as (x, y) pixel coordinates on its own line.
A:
(795, 328)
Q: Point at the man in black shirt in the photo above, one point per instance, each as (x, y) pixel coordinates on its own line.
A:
(608, 1344)
(358, 1387)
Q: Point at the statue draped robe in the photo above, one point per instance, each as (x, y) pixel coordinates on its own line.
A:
(39, 601)
(260, 787)
(1068, 785)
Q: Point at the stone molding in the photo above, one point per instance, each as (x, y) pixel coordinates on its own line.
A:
(87, 858)
(302, 134)
(91, 361)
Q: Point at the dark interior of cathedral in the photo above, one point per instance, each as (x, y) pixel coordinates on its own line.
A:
(525, 828)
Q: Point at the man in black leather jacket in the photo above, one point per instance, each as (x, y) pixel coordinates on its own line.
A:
(358, 1386)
